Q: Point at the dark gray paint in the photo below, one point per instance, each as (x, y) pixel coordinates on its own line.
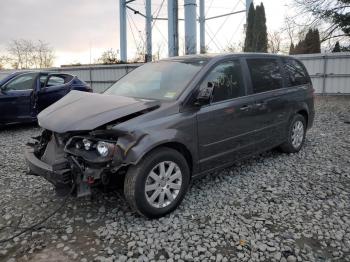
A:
(215, 135)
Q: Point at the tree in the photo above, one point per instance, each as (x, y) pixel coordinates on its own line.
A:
(292, 49)
(109, 57)
(256, 33)
(336, 48)
(43, 54)
(275, 42)
(3, 61)
(311, 44)
(248, 43)
(24, 54)
(333, 12)
(260, 30)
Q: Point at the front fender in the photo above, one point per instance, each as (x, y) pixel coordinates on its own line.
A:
(145, 142)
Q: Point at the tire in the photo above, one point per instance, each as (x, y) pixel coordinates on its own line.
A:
(170, 186)
(293, 144)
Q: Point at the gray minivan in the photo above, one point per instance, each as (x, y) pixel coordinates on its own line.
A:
(170, 121)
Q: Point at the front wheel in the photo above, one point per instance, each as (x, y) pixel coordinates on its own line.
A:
(157, 185)
(296, 135)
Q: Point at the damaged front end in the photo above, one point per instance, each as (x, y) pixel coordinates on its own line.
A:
(84, 159)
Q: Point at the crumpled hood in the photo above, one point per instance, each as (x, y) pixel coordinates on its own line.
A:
(81, 111)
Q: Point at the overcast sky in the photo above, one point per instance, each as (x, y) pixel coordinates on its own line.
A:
(76, 28)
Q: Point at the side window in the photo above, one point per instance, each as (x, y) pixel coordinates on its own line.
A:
(295, 72)
(55, 81)
(265, 73)
(22, 82)
(227, 80)
(42, 80)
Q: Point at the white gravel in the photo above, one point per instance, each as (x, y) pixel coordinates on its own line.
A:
(272, 207)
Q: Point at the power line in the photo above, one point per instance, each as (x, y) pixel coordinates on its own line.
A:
(221, 26)
(166, 40)
(238, 27)
(138, 48)
(154, 21)
(211, 38)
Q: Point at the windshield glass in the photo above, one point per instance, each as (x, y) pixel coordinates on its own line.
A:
(163, 80)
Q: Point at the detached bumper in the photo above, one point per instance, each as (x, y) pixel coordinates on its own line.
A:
(58, 177)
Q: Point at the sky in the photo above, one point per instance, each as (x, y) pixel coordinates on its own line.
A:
(80, 30)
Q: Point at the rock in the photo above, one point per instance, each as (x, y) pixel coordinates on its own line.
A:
(69, 230)
(291, 259)
(60, 245)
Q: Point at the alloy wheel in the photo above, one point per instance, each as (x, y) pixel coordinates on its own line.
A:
(163, 184)
(297, 134)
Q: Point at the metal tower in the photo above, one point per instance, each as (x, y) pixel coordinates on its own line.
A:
(190, 7)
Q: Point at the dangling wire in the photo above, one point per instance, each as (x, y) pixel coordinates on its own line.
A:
(31, 228)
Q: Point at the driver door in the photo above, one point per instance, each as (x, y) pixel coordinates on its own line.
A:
(17, 99)
(224, 126)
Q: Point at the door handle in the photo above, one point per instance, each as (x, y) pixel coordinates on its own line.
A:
(245, 108)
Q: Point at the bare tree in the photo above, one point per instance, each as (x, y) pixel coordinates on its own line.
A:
(331, 17)
(3, 61)
(43, 54)
(275, 42)
(109, 57)
(234, 48)
(140, 55)
(28, 54)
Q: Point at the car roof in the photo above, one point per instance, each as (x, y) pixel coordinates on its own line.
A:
(19, 72)
(207, 57)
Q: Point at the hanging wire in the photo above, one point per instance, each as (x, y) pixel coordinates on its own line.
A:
(138, 48)
(160, 8)
(160, 32)
(238, 27)
(206, 11)
(209, 33)
(221, 26)
(138, 31)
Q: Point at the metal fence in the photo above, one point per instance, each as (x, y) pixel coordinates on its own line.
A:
(99, 77)
(330, 73)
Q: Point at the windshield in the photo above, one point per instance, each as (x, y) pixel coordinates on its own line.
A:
(163, 80)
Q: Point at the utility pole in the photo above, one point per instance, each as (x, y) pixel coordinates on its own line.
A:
(149, 19)
(202, 26)
(173, 34)
(190, 27)
(122, 30)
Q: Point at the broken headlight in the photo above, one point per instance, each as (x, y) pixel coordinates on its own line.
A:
(104, 148)
(92, 149)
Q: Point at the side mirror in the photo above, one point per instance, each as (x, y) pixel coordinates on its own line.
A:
(205, 94)
(2, 88)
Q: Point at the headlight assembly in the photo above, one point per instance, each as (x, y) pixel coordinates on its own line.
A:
(103, 148)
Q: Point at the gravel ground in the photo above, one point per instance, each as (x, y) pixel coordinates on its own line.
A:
(273, 207)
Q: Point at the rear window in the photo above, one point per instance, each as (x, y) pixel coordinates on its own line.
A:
(296, 74)
(265, 73)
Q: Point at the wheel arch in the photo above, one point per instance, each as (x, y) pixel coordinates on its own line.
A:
(176, 145)
(305, 114)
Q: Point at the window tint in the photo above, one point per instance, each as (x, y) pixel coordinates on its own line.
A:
(265, 73)
(22, 82)
(227, 81)
(55, 81)
(295, 72)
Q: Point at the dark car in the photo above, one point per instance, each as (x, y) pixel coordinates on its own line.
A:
(24, 94)
(170, 121)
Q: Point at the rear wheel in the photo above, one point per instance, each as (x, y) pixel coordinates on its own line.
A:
(296, 135)
(157, 185)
